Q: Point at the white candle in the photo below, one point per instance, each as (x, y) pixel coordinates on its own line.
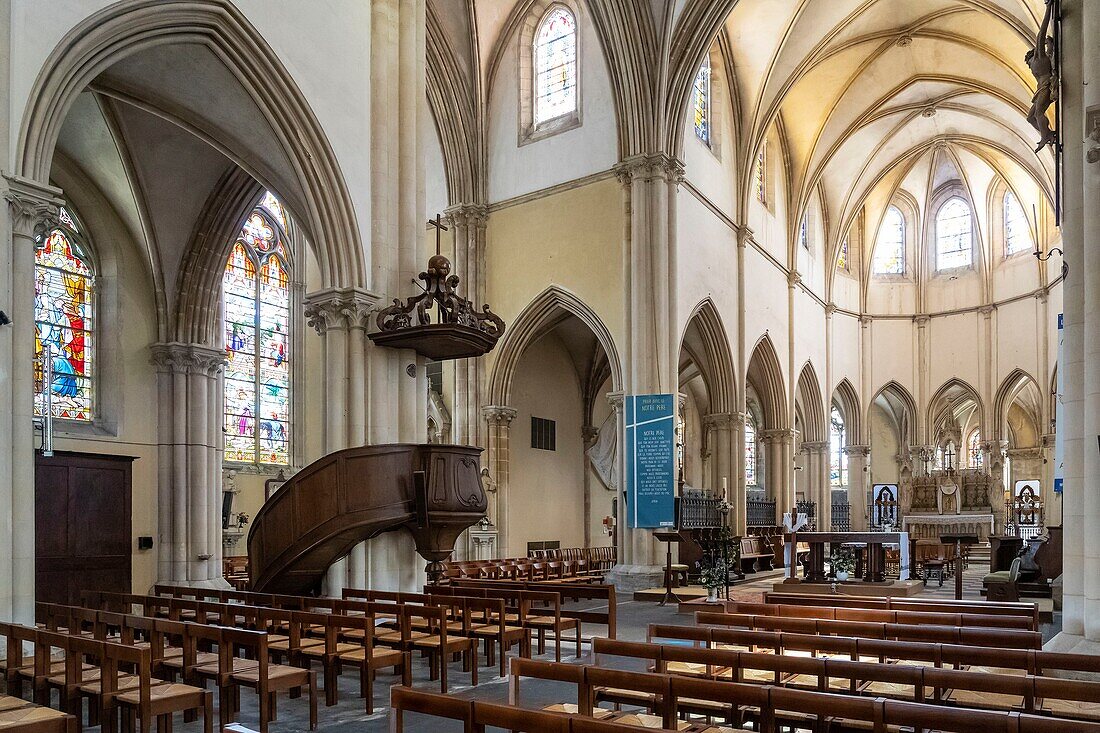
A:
(725, 486)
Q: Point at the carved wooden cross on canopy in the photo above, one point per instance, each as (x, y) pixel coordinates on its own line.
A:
(949, 457)
(439, 227)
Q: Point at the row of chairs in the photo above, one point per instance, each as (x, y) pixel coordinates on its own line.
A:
(963, 618)
(22, 716)
(527, 569)
(979, 687)
(884, 651)
(1026, 610)
(679, 702)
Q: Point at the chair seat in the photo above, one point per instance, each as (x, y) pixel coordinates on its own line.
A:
(809, 682)
(201, 659)
(549, 622)
(572, 709)
(1001, 576)
(993, 700)
(895, 690)
(394, 637)
(320, 651)
(1072, 709)
(619, 693)
(27, 716)
(8, 702)
(275, 672)
(125, 682)
(384, 657)
(236, 664)
(493, 630)
(303, 644)
(160, 693)
(688, 669)
(645, 720)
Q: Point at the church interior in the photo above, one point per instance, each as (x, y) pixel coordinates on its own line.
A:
(297, 296)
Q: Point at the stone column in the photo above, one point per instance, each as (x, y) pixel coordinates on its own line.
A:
(190, 448)
(778, 465)
(1052, 503)
(739, 511)
(720, 444)
(468, 222)
(859, 477)
(994, 455)
(31, 207)
(924, 363)
(499, 419)
(816, 469)
(341, 317)
(650, 182)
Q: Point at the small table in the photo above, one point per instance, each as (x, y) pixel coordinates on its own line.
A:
(959, 540)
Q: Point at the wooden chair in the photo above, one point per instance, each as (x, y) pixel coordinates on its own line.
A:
(552, 620)
(365, 655)
(1002, 585)
(147, 700)
(485, 618)
(424, 628)
(269, 679)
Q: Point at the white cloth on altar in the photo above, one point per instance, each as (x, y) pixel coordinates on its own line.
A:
(800, 522)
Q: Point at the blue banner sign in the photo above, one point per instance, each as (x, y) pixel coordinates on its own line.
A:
(651, 460)
(1060, 413)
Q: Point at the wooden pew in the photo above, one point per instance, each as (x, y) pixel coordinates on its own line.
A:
(884, 615)
(1022, 610)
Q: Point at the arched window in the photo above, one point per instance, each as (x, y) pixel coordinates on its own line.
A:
(750, 452)
(890, 248)
(974, 448)
(760, 175)
(700, 97)
(1017, 232)
(838, 459)
(842, 258)
(953, 240)
(256, 307)
(555, 65)
(803, 234)
(64, 294)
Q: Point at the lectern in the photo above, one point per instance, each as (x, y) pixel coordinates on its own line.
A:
(959, 540)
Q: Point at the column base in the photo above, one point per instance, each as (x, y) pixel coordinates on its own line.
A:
(631, 578)
(1074, 644)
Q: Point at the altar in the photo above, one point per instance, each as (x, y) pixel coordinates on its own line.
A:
(932, 526)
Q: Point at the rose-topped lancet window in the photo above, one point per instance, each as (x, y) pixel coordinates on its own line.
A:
(438, 323)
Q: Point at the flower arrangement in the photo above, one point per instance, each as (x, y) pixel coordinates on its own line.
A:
(843, 561)
(713, 572)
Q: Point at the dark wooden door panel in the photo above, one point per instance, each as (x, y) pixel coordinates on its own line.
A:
(82, 525)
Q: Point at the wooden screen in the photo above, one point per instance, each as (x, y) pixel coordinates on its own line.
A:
(82, 525)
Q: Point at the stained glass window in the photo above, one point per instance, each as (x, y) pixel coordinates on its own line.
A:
(555, 65)
(953, 247)
(842, 258)
(838, 459)
(890, 248)
(974, 448)
(803, 234)
(760, 175)
(1017, 232)
(750, 452)
(64, 289)
(701, 102)
(256, 292)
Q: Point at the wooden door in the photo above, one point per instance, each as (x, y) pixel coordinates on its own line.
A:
(82, 525)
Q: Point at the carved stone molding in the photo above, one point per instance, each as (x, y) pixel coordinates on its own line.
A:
(468, 215)
(830, 309)
(174, 357)
(31, 204)
(498, 415)
(1048, 440)
(1041, 295)
(857, 450)
(719, 420)
(986, 310)
(793, 279)
(616, 400)
(779, 435)
(744, 236)
(921, 321)
(649, 167)
(820, 447)
(340, 308)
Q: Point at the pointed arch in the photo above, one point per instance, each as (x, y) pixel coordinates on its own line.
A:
(454, 111)
(811, 405)
(715, 361)
(1018, 387)
(846, 396)
(540, 316)
(123, 29)
(902, 407)
(765, 375)
(951, 395)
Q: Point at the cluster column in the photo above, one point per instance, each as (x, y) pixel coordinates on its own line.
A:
(778, 467)
(31, 207)
(190, 443)
(499, 420)
(720, 444)
(994, 453)
(739, 514)
(468, 222)
(859, 476)
(341, 317)
(817, 481)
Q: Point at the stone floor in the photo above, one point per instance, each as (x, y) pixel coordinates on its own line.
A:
(634, 617)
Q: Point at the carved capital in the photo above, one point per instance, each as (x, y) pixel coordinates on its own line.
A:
(986, 310)
(467, 215)
(921, 321)
(1041, 295)
(780, 435)
(793, 279)
(820, 447)
(498, 415)
(1048, 440)
(857, 450)
(174, 358)
(32, 205)
(649, 167)
(719, 420)
(616, 400)
(340, 308)
(830, 309)
(744, 236)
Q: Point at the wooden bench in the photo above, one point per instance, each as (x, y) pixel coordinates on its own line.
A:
(958, 618)
(988, 608)
(756, 554)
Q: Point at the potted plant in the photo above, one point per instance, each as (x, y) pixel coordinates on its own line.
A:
(713, 574)
(842, 561)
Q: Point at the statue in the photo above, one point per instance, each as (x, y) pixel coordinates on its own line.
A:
(1041, 62)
